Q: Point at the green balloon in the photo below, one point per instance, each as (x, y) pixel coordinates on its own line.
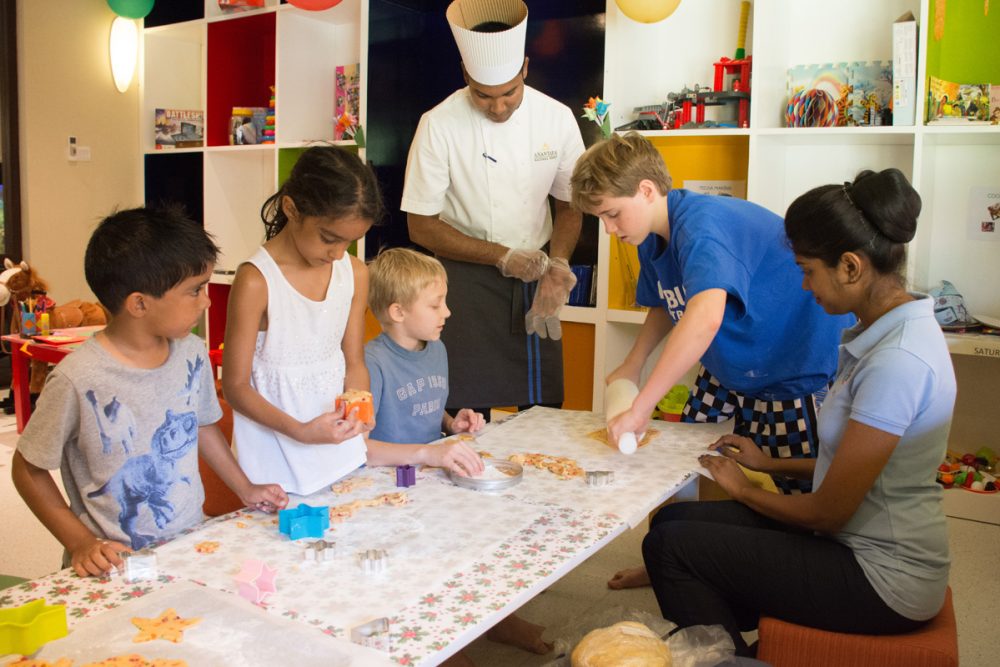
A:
(131, 9)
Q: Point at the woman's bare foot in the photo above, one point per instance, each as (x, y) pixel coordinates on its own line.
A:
(517, 632)
(634, 577)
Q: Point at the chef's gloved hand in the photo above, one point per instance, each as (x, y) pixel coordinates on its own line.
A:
(550, 296)
(525, 265)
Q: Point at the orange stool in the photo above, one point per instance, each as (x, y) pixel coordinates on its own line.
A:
(788, 645)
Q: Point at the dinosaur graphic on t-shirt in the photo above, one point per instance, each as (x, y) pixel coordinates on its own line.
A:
(117, 424)
(149, 478)
(193, 383)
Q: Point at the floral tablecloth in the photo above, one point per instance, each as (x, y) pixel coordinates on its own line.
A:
(642, 480)
(448, 579)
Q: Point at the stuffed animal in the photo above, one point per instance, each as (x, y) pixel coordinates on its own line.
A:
(18, 284)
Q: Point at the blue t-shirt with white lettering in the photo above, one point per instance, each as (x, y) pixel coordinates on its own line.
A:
(775, 342)
(409, 390)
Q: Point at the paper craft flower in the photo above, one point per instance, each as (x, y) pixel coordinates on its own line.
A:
(348, 126)
(596, 110)
(256, 581)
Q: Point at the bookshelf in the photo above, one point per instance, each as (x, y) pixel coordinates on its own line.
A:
(198, 56)
(646, 61)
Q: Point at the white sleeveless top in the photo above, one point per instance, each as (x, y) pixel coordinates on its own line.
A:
(298, 365)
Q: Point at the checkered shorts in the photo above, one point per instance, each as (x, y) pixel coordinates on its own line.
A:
(781, 429)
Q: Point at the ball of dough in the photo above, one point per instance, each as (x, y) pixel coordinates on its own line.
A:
(624, 644)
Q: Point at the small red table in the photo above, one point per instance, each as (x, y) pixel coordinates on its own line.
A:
(23, 350)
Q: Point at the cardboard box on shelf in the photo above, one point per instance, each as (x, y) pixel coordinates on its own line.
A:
(904, 70)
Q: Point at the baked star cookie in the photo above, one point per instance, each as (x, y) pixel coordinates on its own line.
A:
(167, 625)
(207, 547)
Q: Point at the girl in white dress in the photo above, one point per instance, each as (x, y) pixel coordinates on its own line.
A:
(295, 326)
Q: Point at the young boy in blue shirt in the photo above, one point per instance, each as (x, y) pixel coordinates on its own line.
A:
(720, 279)
(408, 367)
(125, 416)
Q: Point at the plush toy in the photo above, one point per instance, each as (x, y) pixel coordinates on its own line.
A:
(19, 283)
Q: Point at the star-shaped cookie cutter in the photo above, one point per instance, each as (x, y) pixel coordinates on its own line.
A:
(373, 634)
(138, 565)
(304, 521)
(374, 561)
(256, 580)
(600, 477)
(320, 551)
(27, 628)
(406, 476)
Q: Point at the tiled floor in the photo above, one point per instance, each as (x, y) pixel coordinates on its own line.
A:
(582, 598)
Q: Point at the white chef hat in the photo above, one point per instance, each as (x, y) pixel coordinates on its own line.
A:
(490, 58)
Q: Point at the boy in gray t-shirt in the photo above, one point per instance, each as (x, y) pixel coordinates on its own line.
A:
(125, 416)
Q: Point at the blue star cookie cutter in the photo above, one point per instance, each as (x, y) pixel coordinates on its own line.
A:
(304, 521)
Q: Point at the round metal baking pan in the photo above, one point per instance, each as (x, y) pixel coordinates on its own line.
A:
(512, 469)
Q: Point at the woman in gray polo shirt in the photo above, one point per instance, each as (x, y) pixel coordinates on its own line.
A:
(867, 551)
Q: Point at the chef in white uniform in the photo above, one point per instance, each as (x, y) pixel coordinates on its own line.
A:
(479, 176)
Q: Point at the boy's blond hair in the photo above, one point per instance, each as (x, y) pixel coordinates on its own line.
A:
(614, 167)
(398, 275)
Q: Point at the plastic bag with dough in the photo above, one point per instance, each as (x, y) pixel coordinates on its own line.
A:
(625, 644)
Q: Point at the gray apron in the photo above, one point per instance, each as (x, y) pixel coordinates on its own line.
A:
(491, 360)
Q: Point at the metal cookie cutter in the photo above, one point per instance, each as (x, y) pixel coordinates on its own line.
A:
(373, 634)
(374, 561)
(320, 551)
(600, 477)
(138, 565)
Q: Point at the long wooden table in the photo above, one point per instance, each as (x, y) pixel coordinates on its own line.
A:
(458, 560)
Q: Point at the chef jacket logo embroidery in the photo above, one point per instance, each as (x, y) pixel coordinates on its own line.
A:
(546, 154)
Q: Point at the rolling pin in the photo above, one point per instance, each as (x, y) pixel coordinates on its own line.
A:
(618, 398)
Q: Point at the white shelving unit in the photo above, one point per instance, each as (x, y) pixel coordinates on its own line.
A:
(308, 45)
(209, 63)
(644, 62)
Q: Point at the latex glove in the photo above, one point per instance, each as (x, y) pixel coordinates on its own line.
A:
(525, 265)
(551, 295)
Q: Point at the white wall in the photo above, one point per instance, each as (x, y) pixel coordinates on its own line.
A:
(65, 88)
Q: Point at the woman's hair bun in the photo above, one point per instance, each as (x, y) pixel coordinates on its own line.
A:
(888, 202)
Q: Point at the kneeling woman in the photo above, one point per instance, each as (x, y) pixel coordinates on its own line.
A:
(867, 551)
